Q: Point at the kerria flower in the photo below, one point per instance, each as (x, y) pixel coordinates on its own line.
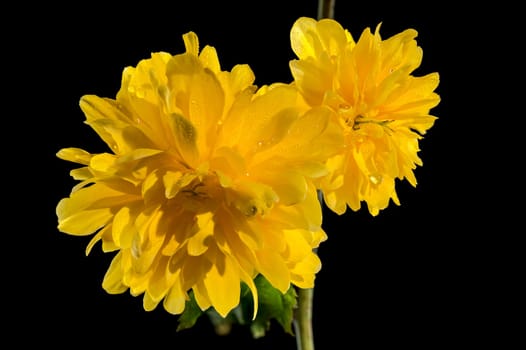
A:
(382, 109)
(207, 184)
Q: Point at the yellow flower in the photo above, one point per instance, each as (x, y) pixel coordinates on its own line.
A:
(382, 109)
(207, 185)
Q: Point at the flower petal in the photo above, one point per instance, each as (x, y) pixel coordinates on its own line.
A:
(274, 269)
(198, 243)
(88, 209)
(175, 300)
(302, 37)
(75, 155)
(185, 137)
(112, 282)
(222, 283)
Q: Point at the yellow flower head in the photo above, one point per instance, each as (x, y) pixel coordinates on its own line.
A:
(382, 109)
(207, 185)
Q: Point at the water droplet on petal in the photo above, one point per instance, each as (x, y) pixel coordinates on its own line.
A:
(140, 93)
(375, 179)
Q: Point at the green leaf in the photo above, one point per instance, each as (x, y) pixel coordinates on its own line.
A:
(190, 314)
(273, 305)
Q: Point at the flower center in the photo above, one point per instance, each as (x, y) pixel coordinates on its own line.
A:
(353, 120)
(201, 194)
(206, 193)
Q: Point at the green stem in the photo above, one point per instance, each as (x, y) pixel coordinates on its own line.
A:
(303, 315)
(303, 320)
(326, 9)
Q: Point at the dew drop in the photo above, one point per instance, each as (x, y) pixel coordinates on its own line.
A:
(140, 93)
(375, 179)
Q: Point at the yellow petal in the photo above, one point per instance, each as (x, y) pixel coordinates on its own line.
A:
(112, 125)
(310, 208)
(161, 281)
(241, 77)
(228, 164)
(96, 108)
(275, 130)
(112, 282)
(151, 188)
(303, 273)
(141, 87)
(191, 43)
(123, 229)
(88, 209)
(201, 296)
(198, 243)
(272, 266)
(193, 270)
(81, 174)
(175, 300)
(311, 79)
(297, 245)
(104, 163)
(147, 244)
(137, 154)
(84, 222)
(312, 137)
(75, 155)
(185, 137)
(235, 123)
(179, 66)
(290, 186)
(266, 112)
(206, 107)
(208, 57)
(223, 286)
(332, 36)
(107, 241)
(248, 279)
(304, 215)
(148, 302)
(302, 38)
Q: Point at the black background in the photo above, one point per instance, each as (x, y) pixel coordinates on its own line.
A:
(404, 278)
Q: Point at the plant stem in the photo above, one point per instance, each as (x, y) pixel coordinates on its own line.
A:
(326, 8)
(303, 320)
